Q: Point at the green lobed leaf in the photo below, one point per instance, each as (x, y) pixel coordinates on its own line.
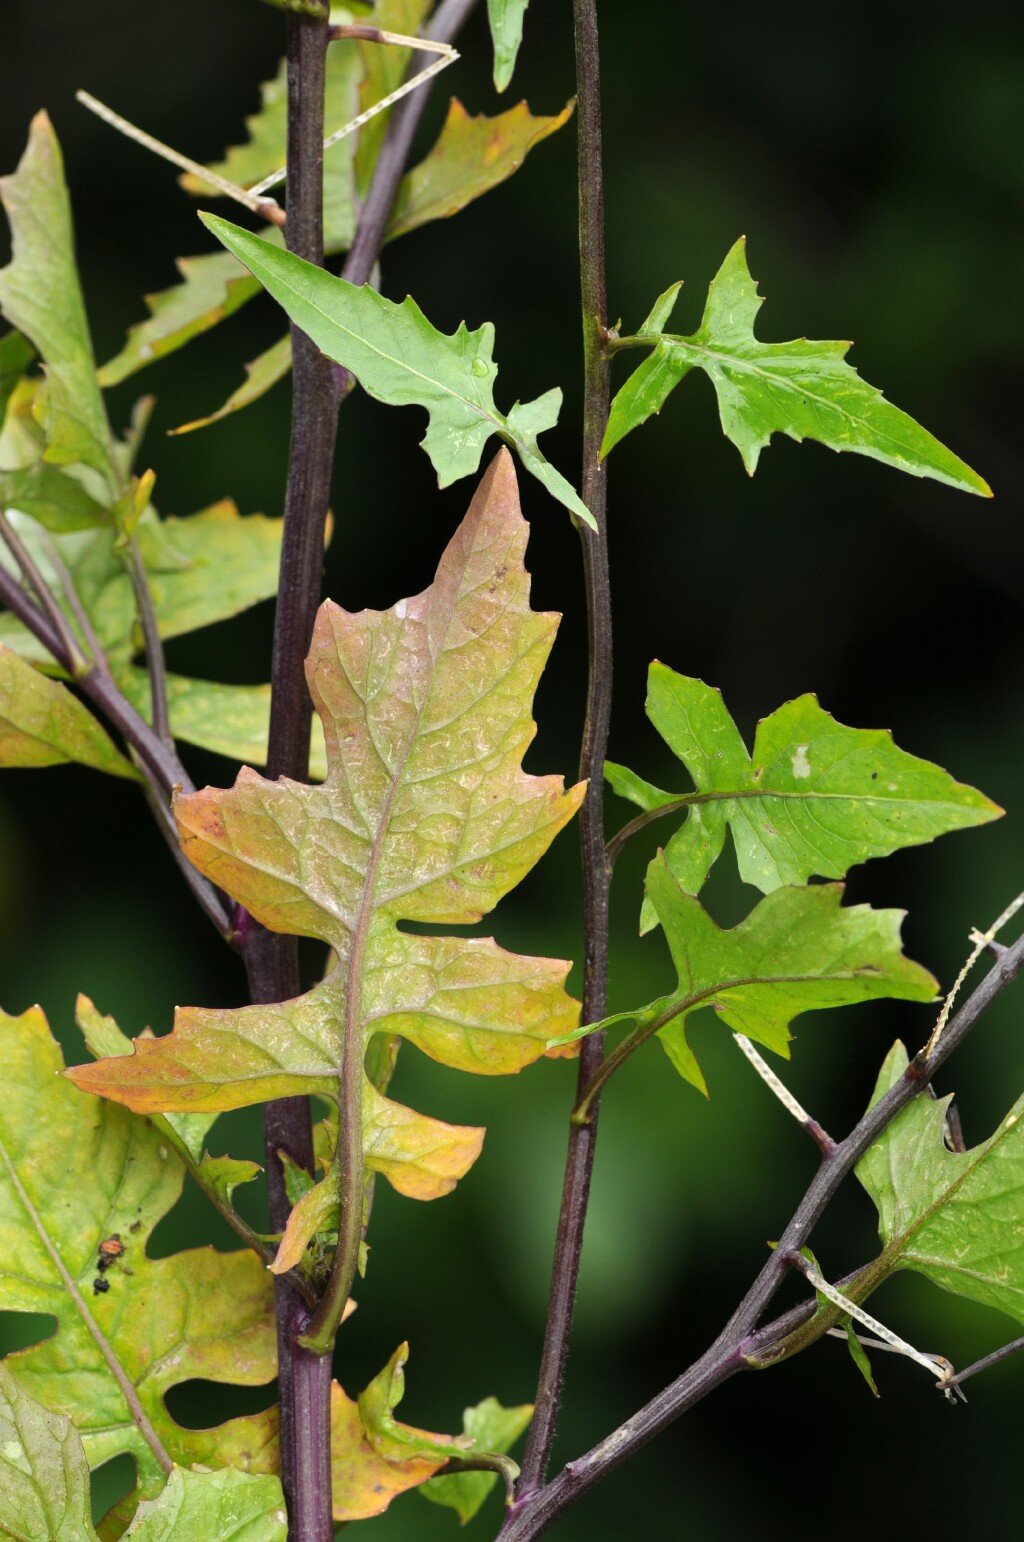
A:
(40, 296)
(73, 1172)
(492, 1429)
(505, 18)
(400, 359)
(955, 1217)
(43, 724)
(44, 1476)
(815, 798)
(426, 816)
(797, 951)
(231, 1505)
(472, 155)
(801, 388)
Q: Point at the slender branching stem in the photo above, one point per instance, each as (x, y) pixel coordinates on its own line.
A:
(596, 873)
(987, 1361)
(445, 25)
(45, 600)
(741, 1345)
(146, 611)
(74, 604)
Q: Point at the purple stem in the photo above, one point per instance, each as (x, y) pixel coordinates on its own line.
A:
(533, 1514)
(596, 870)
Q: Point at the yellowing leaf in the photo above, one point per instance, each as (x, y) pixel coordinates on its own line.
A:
(420, 1157)
(43, 724)
(74, 1172)
(426, 815)
(370, 1468)
(260, 374)
(472, 155)
(212, 286)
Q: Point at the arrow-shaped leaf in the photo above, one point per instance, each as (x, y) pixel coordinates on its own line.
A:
(426, 816)
(801, 388)
(73, 1173)
(815, 798)
(399, 358)
(797, 951)
(952, 1216)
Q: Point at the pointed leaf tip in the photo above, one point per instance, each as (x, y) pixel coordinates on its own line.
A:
(426, 815)
(399, 358)
(802, 388)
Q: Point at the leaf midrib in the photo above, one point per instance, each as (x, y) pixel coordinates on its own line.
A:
(103, 1344)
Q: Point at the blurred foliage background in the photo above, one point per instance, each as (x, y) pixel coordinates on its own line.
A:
(872, 157)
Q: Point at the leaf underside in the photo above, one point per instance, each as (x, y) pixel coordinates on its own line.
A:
(425, 815)
(801, 388)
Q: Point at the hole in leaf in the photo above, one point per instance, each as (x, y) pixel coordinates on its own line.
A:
(482, 928)
(20, 1330)
(200, 1405)
(111, 1483)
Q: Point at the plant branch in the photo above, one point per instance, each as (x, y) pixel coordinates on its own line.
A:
(740, 1342)
(271, 959)
(47, 604)
(596, 872)
(987, 1361)
(445, 25)
(146, 612)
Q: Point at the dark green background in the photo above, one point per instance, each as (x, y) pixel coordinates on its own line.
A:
(872, 157)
